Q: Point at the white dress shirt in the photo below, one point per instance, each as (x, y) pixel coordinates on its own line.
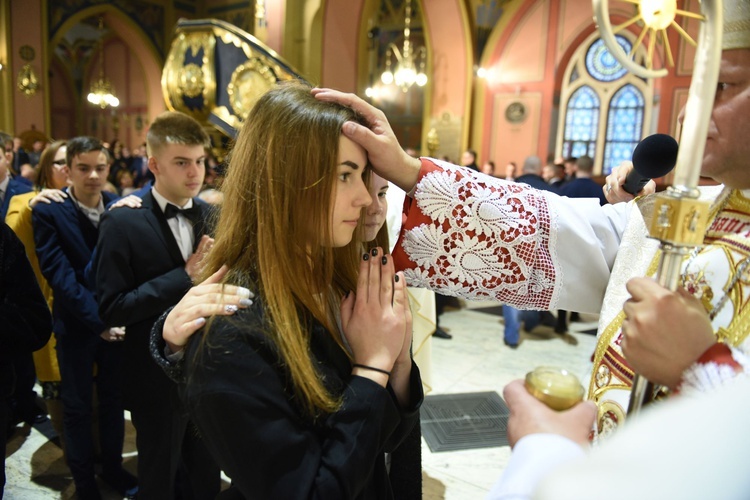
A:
(93, 214)
(181, 227)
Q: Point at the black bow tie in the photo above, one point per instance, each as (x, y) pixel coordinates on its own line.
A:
(193, 214)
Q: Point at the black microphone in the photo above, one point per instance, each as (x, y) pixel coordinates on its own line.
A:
(654, 156)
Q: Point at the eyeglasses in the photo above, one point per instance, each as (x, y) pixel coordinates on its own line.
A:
(60, 163)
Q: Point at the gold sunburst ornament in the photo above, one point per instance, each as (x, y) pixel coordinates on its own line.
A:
(653, 18)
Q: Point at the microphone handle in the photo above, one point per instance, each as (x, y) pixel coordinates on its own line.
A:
(634, 182)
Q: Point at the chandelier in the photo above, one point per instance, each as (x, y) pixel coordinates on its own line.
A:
(409, 63)
(102, 92)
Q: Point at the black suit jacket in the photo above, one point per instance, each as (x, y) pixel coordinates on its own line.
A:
(535, 181)
(140, 273)
(65, 240)
(24, 315)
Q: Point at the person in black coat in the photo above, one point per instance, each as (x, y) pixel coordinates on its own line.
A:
(291, 404)
(26, 320)
(146, 260)
(531, 174)
(583, 186)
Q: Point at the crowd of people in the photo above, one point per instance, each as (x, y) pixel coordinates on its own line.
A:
(271, 339)
(61, 219)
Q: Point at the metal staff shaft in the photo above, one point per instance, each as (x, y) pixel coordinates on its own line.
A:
(668, 276)
(679, 219)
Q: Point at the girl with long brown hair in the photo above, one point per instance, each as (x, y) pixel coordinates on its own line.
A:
(300, 395)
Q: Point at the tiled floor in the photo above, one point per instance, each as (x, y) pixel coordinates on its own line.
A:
(474, 360)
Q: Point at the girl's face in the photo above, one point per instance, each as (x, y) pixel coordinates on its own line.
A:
(126, 181)
(350, 193)
(59, 177)
(377, 210)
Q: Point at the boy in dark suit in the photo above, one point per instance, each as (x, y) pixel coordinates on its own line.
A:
(146, 260)
(65, 235)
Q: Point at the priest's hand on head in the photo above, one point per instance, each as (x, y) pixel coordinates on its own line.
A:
(529, 416)
(664, 332)
(384, 152)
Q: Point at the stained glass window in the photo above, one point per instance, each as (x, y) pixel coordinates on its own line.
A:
(624, 126)
(581, 123)
(603, 108)
(601, 64)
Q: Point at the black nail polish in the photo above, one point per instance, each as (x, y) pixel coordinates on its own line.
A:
(384, 260)
(366, 256)
(374, 252)
(395, 278)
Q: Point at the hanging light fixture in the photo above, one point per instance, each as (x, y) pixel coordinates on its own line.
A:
(102, 92)
(409, 63)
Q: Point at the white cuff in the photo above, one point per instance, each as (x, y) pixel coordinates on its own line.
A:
(701, 378)
(534, 456)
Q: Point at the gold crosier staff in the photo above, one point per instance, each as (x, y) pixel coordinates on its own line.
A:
(679, 218)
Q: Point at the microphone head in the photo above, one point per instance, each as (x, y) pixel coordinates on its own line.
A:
(655, 156)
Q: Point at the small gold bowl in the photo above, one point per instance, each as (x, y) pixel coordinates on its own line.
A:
(557, 388)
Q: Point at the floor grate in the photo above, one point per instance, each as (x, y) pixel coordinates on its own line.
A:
(453, 422)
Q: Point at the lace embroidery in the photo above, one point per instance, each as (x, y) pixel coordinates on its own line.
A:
(485, 240)
(700, 378)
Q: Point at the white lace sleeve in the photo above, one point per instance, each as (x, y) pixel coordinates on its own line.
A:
(726, 366)
(479, 237)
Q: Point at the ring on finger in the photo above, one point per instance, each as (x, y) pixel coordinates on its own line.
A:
(230, 308)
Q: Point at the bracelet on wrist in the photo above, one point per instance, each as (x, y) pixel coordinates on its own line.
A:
(371, 368)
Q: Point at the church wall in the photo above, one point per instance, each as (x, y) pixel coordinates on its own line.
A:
(7, 86)
(275, 13)
(341, 36)
(527, 56)
(519, 75)
(29, 111)
(301, 37)
(63, 98)
(451, 56)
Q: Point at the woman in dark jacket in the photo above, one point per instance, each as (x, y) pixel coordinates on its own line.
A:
(301, 395)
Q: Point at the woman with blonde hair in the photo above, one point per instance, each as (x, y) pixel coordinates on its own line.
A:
(51, 178)
(301, 395)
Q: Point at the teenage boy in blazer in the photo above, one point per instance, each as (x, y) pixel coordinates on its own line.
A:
(146, 260)
(65, 235)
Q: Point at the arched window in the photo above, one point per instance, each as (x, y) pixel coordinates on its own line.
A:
(581, 123)
(606, 108)
(624, 126)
